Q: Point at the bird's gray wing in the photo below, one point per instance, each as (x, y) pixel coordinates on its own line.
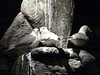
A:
(80, 36)
(27, 39)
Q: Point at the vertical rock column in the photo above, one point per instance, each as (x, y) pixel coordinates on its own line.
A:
(56, 15)
(62, 15)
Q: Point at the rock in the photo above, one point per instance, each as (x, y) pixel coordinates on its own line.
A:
(35, 10)
(48, 52)
(74, 64)
(19, 27)
(52, 51)
(86, 58)
(57, 16)
(44, 50)
(71, 52)
(39, 66)
(49, 60)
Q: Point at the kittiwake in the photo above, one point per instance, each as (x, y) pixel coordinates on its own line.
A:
(80, 38)
(30, 40)
(48, 38)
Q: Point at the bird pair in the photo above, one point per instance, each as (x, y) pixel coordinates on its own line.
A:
(78, 39)
(33, 39)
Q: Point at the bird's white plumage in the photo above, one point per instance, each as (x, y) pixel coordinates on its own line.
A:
(31, 40)
(47, 37)
(80, 38)
(36, 42)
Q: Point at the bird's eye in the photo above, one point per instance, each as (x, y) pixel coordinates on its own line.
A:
(43, 28)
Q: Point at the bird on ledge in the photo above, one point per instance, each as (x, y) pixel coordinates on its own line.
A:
(48, 38)
(30, 40)
(80, 38)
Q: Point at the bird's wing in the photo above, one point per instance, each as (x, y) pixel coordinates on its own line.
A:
(27, 39)
(48, 35)
(79, 36)
(44, 35)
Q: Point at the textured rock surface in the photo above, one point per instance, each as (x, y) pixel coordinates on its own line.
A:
(44, 64)
(56, 15)
(74, 64)
(45, 50)
(85, 57)
(19, 27)
(57, 21)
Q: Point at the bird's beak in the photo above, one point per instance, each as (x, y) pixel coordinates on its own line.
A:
(40, 32)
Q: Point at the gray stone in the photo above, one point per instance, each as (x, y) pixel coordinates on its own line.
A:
(71, 52)
(56, 15)
(19, 27)
(44, 50)
(46, 63)
(86, 58)
(38, 66)
(74, 64)
(49, 52)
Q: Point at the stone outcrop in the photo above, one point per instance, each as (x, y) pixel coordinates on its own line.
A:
(51, 61)
(57, 16)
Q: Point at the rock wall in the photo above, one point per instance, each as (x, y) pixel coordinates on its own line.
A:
(50, 61)
(57, 16)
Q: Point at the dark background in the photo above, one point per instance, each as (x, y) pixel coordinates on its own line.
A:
(8, 10)
(86, 12)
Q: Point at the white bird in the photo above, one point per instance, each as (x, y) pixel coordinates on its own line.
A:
(30, 40)
(80, 38)
(48, 38)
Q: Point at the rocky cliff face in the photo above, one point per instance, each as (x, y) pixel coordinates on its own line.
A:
(57, 16)
(51, 61)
